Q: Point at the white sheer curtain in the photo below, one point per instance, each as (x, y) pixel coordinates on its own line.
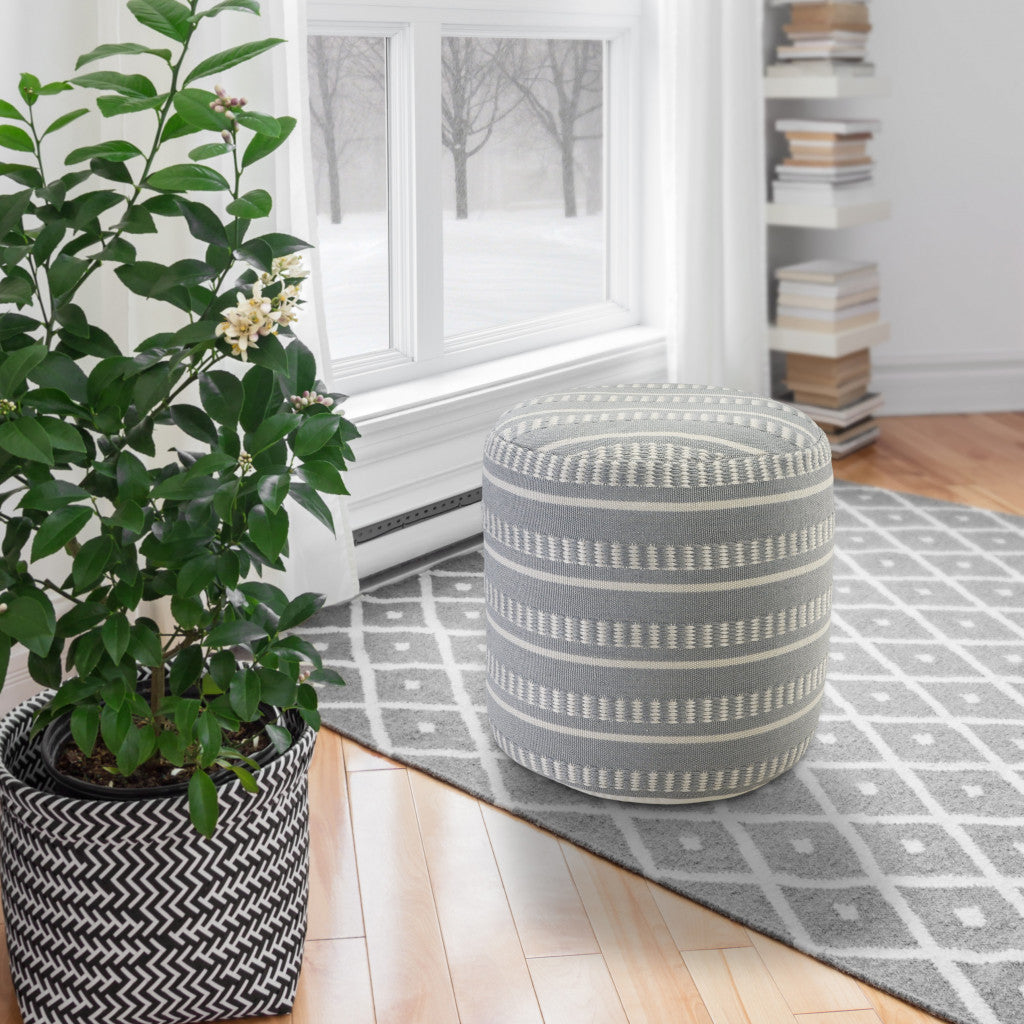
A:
(319, 562)
(713, 161)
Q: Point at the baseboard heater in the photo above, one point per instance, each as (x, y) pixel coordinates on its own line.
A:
(417, 515)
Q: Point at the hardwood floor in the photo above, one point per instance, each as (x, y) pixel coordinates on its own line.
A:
(428, 906)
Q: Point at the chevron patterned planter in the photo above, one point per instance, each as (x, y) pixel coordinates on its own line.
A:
(120, 913)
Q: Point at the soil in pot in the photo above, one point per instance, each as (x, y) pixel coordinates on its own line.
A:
(96, 776)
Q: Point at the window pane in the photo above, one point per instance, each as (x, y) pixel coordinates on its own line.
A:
(348, 107)
(523, 133)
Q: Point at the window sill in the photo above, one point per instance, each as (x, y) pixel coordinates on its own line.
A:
(422, 441)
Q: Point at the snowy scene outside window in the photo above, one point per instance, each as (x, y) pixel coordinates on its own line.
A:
(523, 179)
(348, 108)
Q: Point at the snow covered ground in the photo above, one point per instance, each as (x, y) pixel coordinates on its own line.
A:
(500, 267)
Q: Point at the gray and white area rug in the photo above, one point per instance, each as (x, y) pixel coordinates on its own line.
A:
(894, 850)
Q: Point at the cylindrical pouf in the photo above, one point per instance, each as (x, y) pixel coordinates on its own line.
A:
(120, 913)
(658, 569)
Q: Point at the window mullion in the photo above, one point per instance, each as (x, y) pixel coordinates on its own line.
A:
(427, 327)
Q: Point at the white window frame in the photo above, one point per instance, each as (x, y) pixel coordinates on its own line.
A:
(414, 29)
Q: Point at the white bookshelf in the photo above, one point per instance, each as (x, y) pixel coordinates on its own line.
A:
(831, 344)
(805, 215)
(824, 87)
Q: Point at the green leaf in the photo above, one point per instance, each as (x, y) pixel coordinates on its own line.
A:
(221, 394)
(209, 151)
(52, 494)
(57, 529)
(131, 86)
(113, 150)
(202, 803)
(64, 274)
(245, 777)
(314, 433)
(55, 87)
(114, 725)
(281, 244)
(278, 689)
(29, 86)
(312, 503)
(270, 431)
(31, 621)
(145, 646)
(188, 178)
(168, 17)
(16, 366)
(25, 439)
(228, 634)
(324, 477)
(259, 388)
(132, 478)
(115, 634)
(187, 611)
(81, 617)
(13, 137)
(14, 207)
(72, 318)
(91, 562)
(202, 222)
(10, 111)
(85, 725)
(230, 58)
(113, 49)
(280, 737)
(264, 145)
(258, 254)
(138, 221)
(252, 6)
(244, 695)
(16, 289)
(64, 120)
(273, 490)
(63, 436)
(256, 203)
(111, 106)
(128, 516)
(268, 531)
(5, 655)
(300, 609)
(262, 124)
(193, 107)
(208, 732)
(185, 670)
(194, 422)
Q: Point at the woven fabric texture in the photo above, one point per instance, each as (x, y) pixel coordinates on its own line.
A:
(120, 913)
(658, 582)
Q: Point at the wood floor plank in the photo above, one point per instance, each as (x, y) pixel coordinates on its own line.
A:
(695, 927)
(408, 969)
(335, 911)
(840, 1017)
(574, 989)
(489, 975)
(548, 913)
(360, 759)
(647, 970)
(808, 985)
(894, 1011)
(335, 974)
(736, 987)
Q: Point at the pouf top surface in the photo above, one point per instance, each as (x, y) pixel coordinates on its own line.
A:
(648, 424)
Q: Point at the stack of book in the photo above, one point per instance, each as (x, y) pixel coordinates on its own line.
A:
(831, 296)
(828, 162)
(824, 39)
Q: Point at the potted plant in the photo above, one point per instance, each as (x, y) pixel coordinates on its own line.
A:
(155, 471)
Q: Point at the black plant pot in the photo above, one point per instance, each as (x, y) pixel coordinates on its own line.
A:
(119, 912)
(57, 735)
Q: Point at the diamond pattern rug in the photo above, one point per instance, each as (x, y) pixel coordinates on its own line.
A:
(894, 850)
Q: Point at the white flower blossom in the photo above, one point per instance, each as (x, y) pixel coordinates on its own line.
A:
(253, 318)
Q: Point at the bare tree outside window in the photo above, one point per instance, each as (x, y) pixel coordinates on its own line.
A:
(475, 97)
(348, 111)
(524, 231)
(562, 82)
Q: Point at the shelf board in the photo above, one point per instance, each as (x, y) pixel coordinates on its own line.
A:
(828, 344)
(824, 87)
(806, 215)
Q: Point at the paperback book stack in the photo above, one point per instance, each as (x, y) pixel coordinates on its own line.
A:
(829, 297)
(823, 39)
(828, 162)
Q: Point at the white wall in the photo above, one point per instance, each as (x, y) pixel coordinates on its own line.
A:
(951, 158)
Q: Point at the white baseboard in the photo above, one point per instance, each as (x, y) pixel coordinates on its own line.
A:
(991, 382)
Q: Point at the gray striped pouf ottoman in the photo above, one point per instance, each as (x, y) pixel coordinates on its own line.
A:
(658, 568)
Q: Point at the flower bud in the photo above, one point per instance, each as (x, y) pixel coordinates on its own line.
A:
(3, 608)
